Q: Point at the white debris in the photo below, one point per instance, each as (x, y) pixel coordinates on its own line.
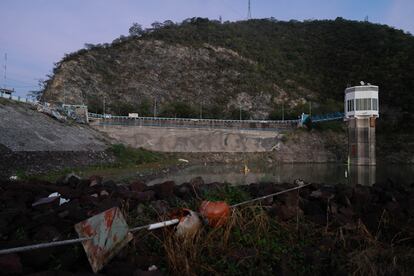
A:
(152, 268)
(13, 177)
(183, 160)
(104, 193)
(188, 225)
(61, 199)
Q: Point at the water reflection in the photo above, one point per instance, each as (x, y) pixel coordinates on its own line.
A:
(364, 175)
(318, 173)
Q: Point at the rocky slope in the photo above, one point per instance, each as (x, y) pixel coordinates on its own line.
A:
(32, 142)
(320, 229)
(133, 75)
(25, 129)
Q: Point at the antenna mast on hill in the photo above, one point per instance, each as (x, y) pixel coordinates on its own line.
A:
(249, 11)
(5, 70)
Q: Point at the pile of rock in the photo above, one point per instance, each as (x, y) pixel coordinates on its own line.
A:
(36, 211)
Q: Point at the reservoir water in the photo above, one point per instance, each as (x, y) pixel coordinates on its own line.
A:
(317, 173)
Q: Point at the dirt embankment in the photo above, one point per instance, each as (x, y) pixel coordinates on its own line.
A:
(33, 141)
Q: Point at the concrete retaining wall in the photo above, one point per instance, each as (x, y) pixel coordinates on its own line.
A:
(192, 139)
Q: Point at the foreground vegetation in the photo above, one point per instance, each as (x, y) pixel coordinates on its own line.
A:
(255, 242)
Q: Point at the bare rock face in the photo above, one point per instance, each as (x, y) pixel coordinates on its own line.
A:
(135, 74)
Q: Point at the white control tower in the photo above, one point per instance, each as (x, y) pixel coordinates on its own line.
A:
(361, 111)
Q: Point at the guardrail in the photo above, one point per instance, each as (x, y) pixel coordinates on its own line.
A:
(328, 117)
(110, 116)
(113, 120)
(17, 98)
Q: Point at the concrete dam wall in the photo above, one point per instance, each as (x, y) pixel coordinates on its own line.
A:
(175, 139)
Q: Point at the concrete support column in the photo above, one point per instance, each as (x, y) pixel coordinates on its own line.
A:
(361, 141)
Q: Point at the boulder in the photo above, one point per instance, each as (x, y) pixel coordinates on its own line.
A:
(137, 186)
(143, 196)
(72, 180)
(164, 190)
(284, 212)
(95, 180)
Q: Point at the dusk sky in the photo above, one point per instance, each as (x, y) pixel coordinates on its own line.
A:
(37, 33)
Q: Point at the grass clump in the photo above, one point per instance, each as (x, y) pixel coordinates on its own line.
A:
(249, 243)
(129, 156)
(227, 193)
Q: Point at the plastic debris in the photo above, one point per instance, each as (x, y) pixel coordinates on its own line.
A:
(13, 177)
(61, 199)
(152, 268)
(183, 160)
(189, 223)
(45, 200)
(245, 170)
(215, 212)
(299, 182)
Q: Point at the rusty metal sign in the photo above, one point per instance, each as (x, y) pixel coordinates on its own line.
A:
(109, 233)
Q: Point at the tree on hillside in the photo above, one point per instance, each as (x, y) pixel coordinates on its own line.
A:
(157, 25)
(136, 30)
(37, 94)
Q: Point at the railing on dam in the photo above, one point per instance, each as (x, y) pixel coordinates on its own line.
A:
(17, 98)
(194, 123)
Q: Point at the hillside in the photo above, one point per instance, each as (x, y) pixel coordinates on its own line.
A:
(259, 65)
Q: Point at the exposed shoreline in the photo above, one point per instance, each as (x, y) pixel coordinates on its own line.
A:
(318, 229)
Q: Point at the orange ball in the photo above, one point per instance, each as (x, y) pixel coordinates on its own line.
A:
(216, 212)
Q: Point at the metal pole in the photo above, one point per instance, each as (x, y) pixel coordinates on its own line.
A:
(148, 227)
(155, 107)
(266, 196)
(42, 245)
(240, 113)
(155, 225)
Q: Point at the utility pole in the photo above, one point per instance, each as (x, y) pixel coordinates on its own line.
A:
(283, 111)
(155, 106)
(240, 113)
(104, 106)
(310, 108)
(201, 110)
